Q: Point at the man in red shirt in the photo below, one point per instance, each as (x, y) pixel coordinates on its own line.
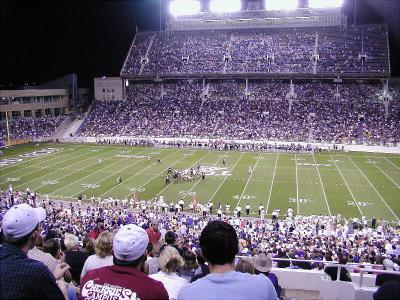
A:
(153, 233)
(123, 280)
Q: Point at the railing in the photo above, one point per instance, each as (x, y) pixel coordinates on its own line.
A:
(352, 266)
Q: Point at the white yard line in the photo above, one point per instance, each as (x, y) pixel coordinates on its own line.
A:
(297, 186)
(24, 183)
(113, 174)
(391, 162)
(194, 184)
(345, 182)
(248, 180)
(322, 185)
(380, 196)
(46, 155)
(134, 175)
(212, 197)
(272, 183)
(373, 163)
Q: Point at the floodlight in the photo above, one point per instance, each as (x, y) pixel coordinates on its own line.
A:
(225, 6)
(324, 3)
(281, 4)
(184, 7)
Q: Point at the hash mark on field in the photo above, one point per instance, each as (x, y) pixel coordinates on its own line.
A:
(365, 176)
(226, 176)
(351, 193)
(322, 185)
(105, 167)
(248, 180)
(388, 160)
(63, 169)
(272, 182)
(198, 161)
(134, 175)
(297, 185)
(385, 174)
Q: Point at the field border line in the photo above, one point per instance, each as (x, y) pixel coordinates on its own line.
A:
(373, 187)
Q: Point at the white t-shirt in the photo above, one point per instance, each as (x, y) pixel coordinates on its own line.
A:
(172, 282)
(94, 262)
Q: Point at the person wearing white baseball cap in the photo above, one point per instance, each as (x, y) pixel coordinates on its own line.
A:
(129, 251)
(21, 277)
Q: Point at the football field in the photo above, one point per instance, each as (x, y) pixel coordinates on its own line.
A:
(328, 183)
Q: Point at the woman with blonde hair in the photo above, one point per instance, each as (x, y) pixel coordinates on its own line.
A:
(245, 266)
(170, 262)
(103, 253)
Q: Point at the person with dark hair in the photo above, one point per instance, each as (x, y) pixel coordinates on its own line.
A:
(219, 245)
(189, 268)
(170, 240)
(21, 277)
(129, 250)
(344, 274)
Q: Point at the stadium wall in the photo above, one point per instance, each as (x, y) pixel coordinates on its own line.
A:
(395, 149)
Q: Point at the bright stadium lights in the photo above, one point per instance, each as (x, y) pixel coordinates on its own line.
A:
(225, 6)
(281, 4)
(324, 3)
(184, 7)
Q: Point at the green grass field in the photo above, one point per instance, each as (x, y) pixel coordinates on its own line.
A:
(325, 183)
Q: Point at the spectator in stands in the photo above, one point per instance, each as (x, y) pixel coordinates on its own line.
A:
(219, 245)
(170, 262)
(188, 270)
(74, 257)
(21, 277)
(129, 247)
(263, 265)
(390, 290)
(152, 261)
(344, 274)
(170, 240)
(382, 278)
(203, 269)
(153, 233)
(244, 266)
(103, 253)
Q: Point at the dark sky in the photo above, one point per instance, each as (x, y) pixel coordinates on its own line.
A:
(43, 40)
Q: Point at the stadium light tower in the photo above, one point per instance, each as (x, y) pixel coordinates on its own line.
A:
(225, 6)
(324, 3)
(184, 7)
(281, 4)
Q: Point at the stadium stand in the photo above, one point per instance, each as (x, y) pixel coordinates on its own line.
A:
(357, 50)
(263, 112)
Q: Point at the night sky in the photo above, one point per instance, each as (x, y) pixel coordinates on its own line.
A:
(43, 40)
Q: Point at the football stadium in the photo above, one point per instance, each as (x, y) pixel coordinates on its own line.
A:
(247, 149)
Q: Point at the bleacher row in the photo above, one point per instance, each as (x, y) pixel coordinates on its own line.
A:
(223, 109)
(356, 50)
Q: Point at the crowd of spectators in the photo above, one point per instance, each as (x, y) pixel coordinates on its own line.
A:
(268, 110)
(262, 51)
(92, 243)
(30, 128)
